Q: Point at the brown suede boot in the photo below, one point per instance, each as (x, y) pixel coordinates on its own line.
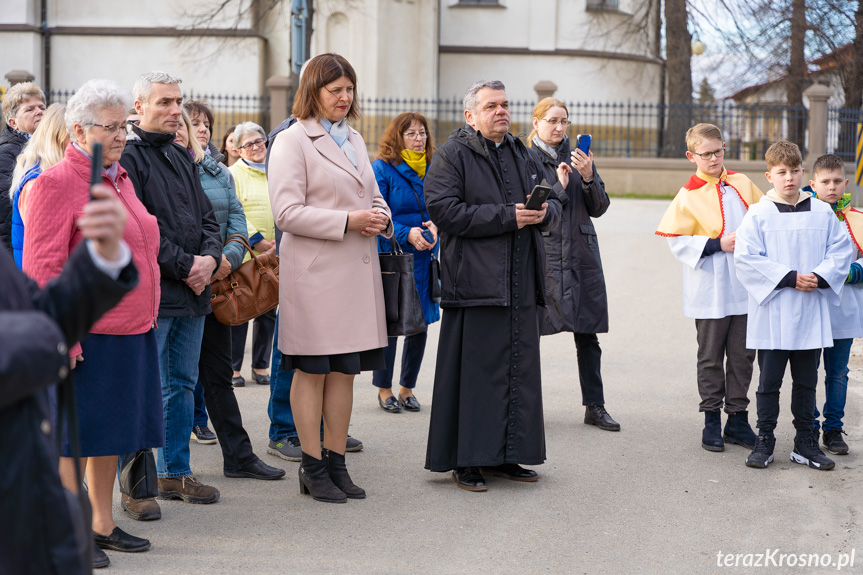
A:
(140, 509)
(187, 488)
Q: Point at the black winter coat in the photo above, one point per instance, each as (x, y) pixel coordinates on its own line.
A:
(11, 144)
(167, 183)
(36, 329)
(576, 299)
(466, 200)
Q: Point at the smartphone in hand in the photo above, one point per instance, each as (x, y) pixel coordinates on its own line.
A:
(96, 168)
(583, 143)
(428, 236)
(538, 196)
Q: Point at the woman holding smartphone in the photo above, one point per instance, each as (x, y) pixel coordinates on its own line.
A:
(575, 293)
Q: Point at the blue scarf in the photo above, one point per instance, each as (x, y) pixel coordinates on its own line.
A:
(339, 133)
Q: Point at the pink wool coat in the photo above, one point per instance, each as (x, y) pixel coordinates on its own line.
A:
(54, 205)
(330, 293)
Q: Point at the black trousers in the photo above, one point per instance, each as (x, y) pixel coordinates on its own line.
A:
(214, 373)
(804, 378)
(262, 341)
(589, 362)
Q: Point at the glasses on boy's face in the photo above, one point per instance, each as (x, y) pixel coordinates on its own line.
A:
(707, 155)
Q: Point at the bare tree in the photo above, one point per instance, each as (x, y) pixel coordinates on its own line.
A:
(678, 54)
(797, 72)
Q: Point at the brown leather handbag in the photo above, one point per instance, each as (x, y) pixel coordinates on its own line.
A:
(250, 290)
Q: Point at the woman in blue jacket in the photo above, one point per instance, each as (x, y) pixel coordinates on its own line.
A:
(404, 153)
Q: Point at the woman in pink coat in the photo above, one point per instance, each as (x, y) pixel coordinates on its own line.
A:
(332, 326)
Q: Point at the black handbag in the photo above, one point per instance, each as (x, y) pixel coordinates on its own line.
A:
(138, 475)
(434, 264)
(402, 301)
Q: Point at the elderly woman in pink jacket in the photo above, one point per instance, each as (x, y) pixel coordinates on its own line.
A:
(326, 200)
(116, 367)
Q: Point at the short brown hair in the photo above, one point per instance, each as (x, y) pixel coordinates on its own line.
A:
(700, 132)
(783, 152)
(320, 71)
(828, 163)
(392, 143)
(197, 108)
(17, 95)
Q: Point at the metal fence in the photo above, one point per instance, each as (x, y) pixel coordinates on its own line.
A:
(619, 129)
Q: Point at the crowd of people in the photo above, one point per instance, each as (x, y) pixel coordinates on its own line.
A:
(152, 236)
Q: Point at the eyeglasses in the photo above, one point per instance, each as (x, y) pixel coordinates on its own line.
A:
(112, 129)
(707, 155)
(562, 123)
(415, 135)
(259, 143)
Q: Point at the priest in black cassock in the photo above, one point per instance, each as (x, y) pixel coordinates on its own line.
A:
(486, 416)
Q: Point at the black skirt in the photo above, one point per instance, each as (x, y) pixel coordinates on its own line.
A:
(349, 363)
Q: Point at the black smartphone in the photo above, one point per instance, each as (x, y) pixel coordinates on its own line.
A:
(538, 196)
(583, 143)
(96, 167)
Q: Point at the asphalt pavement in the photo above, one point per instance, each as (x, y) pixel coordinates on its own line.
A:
(647, 499)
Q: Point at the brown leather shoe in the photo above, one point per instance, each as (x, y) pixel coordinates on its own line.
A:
(187, 488)
(140, 509)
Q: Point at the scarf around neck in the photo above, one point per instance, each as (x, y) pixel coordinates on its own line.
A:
(416, 161)
(551, 152)
(339, 133)
(111, 171)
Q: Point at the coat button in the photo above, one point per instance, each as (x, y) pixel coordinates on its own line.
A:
(361, 193)
(64, 371)
(45, 426)
(62, 349)
(366, 259)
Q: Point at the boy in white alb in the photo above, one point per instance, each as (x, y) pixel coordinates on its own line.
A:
(846, 320)
(700, 227)
(792, 256)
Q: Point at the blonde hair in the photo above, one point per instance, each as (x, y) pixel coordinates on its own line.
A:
(783, 152)
(541, 109)
(45, 147)
(700, 132)
(17, 95)
(194, 145)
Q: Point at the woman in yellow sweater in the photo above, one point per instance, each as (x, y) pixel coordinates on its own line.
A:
(250, 175)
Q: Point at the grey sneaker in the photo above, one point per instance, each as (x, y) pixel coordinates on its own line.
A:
(287, 448)
(353, 444)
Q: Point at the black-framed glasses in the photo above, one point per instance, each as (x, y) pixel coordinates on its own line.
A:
(112, 129)
(562, 123)
(259, 143)
(707, 155)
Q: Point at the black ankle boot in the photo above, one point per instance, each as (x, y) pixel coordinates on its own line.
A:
(339, 474)
(738, 430)
(315, 480)
(711, 437)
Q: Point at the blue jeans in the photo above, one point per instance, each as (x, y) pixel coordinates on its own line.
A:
(200, 407)
(835, 383)
(279, 408)
(179, 341)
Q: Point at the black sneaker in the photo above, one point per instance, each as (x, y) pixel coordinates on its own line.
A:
(202, 434)
(762, 455)
(806, 452)
(834, 443)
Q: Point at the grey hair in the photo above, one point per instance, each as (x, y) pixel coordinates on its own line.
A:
(241, 130)
(91, 98)
(470, 99)
(144, 84)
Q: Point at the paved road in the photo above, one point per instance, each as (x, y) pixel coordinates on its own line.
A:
(646, 500)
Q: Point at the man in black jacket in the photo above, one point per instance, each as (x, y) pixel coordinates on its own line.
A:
(38, 530)
(190, 250)
(23, 107)
(487, 401)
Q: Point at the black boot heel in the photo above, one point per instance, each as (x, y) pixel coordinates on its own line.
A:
(315, 481)
(339, 474)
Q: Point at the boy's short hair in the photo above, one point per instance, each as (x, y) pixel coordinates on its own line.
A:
(700, 132)
(783, 152)
(828, 163)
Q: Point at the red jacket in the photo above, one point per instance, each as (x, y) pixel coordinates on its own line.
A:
(53, 207)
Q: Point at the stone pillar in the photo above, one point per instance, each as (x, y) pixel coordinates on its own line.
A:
(19, 77)
(545, 89)
(818, 95)
(281, 90)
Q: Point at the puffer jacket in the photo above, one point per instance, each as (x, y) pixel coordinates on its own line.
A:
(11, 144)
(255, 196)
(226, 207)
(574, 282)
(167, 183)
(476, 219)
